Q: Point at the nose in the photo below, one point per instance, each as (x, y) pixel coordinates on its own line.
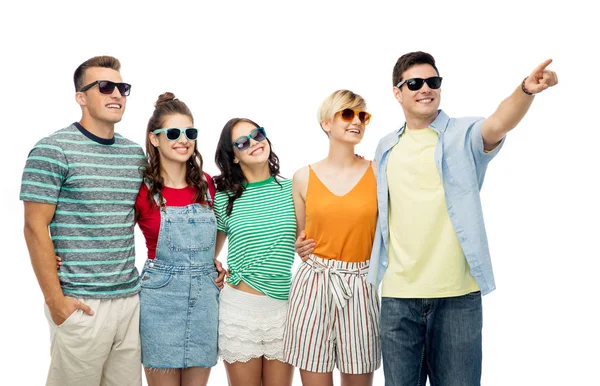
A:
(116, 93)
(425, 88)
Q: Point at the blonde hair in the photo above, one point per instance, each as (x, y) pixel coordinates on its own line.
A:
(337, 101)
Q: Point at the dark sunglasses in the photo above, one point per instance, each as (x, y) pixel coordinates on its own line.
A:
(173, 134)
(107, 87)
(347, 115)
(415, 84)
(243, 142)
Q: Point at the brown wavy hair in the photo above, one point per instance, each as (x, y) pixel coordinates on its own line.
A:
(232, 177)
(165, 106)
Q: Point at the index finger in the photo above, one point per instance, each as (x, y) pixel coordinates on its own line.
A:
(542, 66)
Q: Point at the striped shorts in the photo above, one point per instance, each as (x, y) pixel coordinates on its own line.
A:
(333, 318)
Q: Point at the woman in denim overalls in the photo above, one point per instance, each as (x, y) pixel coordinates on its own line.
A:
(179, 296)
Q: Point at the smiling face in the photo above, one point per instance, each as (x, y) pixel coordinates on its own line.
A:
(344, 131)
(102, 108)
(256, 154)
(421, 104)
(179, 150)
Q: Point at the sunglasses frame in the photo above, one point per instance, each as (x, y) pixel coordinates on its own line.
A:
(356, 113)
(181, 130)
(249, 137)
(118, 85)
(423, 81)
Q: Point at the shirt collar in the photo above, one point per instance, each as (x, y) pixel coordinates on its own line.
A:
(438, 125)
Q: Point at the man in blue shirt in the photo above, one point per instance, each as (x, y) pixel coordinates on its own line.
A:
(430, 248)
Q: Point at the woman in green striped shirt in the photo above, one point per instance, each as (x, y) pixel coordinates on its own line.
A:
(255, 213)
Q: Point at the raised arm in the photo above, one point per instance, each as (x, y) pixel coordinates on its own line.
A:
(41, 251)
(513, 109)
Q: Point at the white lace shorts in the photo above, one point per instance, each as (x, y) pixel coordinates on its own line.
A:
(250, 326)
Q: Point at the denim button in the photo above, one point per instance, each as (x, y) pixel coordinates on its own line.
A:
(151, 265)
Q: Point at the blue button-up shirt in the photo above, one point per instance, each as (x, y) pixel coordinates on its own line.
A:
(461, 162)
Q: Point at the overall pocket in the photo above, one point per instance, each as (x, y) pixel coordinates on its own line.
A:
(155, 279)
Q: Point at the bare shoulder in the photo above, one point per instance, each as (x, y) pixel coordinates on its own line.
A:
(301, 175)
(300, 179)
(373, 165)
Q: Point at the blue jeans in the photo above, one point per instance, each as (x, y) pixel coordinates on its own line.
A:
(438, 338)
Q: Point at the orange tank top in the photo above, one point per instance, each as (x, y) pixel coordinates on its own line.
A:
(343, 227)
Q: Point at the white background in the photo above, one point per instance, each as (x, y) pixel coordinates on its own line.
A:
(274, 63)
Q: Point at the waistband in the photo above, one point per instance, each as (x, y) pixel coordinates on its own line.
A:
(318, 264)
(246, 301)
(158, 265)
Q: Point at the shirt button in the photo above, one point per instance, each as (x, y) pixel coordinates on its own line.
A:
(385, 263)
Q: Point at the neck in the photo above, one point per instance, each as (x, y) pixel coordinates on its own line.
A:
(173, 174)
(420, 122)
(100, 129)
(341, 155)
(255, 173)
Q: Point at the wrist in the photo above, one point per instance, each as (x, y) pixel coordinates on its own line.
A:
(53, 300)
(525, 89)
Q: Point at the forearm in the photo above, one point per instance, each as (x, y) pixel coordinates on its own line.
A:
(506, 117)
(43, 260)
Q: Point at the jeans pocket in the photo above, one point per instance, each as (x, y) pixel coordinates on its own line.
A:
(155, 279)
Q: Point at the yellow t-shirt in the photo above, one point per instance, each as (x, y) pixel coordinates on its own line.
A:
(425, 257)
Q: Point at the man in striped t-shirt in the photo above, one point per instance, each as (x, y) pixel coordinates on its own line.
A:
(81, 183)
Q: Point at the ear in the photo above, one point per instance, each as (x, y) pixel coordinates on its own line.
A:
(326, 126)
(153, 139)
(235, 160)
(80, 99)
(398, 94)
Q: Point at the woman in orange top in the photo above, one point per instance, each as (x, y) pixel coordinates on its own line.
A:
(333, 316)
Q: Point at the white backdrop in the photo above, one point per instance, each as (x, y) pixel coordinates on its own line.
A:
(274, 62)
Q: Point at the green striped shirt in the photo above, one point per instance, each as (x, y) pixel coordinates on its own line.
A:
(94, 183)
(261, 232)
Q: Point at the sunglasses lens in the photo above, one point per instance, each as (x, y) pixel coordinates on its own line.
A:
(434, 82)
(259, 134)
(364, 117)
(106, 87)
(124, 88)
(191, 134)
(347, 115)
(242, 144)
(173, 134)
(414, 84)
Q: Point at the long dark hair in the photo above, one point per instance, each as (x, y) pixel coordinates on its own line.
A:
(232, 178)
(165, 106)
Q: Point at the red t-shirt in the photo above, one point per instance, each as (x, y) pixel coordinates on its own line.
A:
(148, 217)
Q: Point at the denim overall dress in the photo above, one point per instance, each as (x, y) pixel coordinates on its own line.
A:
(179, 300)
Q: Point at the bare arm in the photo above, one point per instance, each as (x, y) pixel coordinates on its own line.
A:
(513, 109)
(43, 260)
(218, 265)
(299, 184)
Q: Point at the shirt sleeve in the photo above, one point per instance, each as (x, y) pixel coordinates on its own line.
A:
(220, 208)
(45, 171)
(480, 155)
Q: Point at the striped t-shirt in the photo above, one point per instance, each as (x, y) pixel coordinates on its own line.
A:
(261, 232)
(94, 183)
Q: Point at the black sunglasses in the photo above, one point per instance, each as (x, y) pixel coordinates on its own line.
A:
(243, 142)
(174, 133)
(415, 84)
(107, 87)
